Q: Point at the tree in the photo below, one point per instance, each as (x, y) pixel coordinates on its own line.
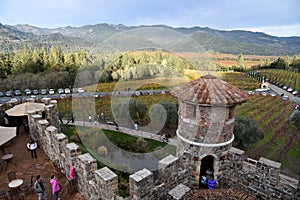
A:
(296, 62)
(172, 113)
(5, 65)
(45, 58)
(280, 63)
(137, 109)
(158, 56)
(246, 132)
(36, 65)
(241, 62)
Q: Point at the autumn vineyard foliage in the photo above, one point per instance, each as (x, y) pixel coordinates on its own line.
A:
(240, 80)
(281, 140)
(286, 77)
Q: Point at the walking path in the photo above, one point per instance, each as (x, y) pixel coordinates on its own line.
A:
(129, 131)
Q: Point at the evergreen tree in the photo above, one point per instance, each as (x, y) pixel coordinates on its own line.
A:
(241, 62)
(45, 58)
(158, 56)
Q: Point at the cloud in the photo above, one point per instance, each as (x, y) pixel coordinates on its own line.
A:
(272, 17)
(276, 30)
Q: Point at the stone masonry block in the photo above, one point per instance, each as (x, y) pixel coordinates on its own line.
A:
(179, 191)
(105, 174)
(167, 161)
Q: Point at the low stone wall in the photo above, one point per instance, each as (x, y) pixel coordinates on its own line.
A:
(259, 178)
(170, 174)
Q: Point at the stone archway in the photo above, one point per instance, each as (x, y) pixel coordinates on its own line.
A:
(206, 168)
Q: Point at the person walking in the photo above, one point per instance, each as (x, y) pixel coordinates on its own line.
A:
(90, 118)
(55, 187)
(39, 186)
(31, 145)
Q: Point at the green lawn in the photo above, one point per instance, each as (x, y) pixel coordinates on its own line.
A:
(122, 140)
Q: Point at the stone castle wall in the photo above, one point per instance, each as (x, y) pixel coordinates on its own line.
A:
(261, 179)
(102, 183)
(91, 181)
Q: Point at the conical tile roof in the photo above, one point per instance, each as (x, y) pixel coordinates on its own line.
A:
(209, 90)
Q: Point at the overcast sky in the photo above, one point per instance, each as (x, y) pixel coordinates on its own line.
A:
(274, 17)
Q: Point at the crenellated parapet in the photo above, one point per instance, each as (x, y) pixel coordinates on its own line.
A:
(259, 178)
(175, 177)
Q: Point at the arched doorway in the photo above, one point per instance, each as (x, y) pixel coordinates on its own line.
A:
(206, 170)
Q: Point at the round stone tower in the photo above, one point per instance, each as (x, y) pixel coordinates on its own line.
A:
(205, 124)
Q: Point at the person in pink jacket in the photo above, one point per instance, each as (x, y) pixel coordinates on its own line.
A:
(72, 172)
(55, 187)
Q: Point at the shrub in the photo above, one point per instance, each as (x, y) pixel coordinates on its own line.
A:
(75, 138)
(141, 143)
(102, 150)
(296, 119)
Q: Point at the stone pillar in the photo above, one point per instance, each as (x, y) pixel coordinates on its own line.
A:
(50, 132)
(168, 169)
(88, 164)
(34, 126)
(141, 183)
(49, 140)
(236, 156)
(60, 142)
(105, 179)
(30, 120)
(85, 167)
(48, 111)
(72, 151)
(54, 114)
(51, 113)
(41, 129)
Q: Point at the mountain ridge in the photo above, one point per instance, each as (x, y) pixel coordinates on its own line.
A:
(85, 37)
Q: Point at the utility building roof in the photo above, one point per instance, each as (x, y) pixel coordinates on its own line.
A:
(209, 90)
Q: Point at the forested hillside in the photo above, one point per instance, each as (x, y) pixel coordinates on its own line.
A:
(42, 68)
(88, 37)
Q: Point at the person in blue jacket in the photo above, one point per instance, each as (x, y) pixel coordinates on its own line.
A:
(211, 183)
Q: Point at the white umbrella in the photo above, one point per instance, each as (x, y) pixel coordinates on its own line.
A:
(6, 134)
(22, 109)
